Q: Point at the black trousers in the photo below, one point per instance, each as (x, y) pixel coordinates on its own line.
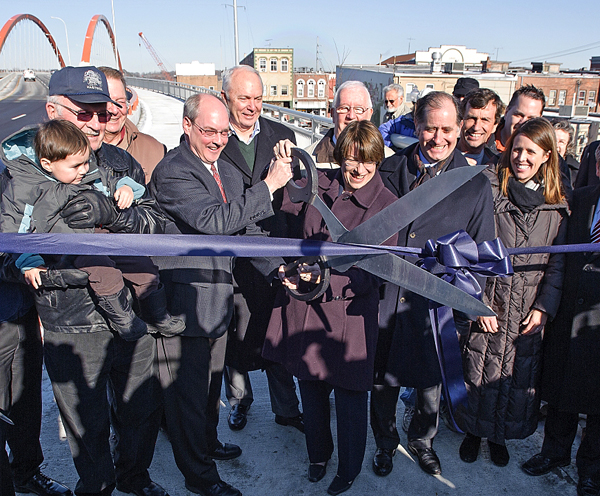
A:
(559, 433)
(191, 373)
(424, 425)
(282, 389)
(101, 380)
(21, 394)
(351, 414)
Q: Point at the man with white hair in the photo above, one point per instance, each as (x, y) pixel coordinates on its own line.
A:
(394, 105)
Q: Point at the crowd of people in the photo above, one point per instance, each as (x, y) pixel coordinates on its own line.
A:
(133, 343)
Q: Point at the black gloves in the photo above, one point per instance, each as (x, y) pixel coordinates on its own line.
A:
(89, 209)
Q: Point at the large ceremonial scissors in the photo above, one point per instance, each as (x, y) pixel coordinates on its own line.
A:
(378, 229)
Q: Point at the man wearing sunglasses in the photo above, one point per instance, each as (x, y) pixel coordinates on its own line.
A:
(393, 104)
(86, 362)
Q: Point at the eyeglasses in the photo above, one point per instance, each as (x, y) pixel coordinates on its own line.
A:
(344, 109)
(86, 115)
(355, 163)
(211, 133)
(390, 101)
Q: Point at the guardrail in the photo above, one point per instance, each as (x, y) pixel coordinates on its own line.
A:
(311, 126)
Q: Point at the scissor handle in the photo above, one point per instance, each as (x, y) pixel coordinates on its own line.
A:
(307, 192)
(319, 289)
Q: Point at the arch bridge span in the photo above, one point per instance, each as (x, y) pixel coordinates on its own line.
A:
(89, 37)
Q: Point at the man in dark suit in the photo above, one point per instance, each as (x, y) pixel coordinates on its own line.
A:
(587, 170)
(571, 368)
(406, 352)
(200, 193)
(250, 149)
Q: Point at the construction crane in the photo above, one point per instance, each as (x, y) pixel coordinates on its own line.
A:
(156, 58)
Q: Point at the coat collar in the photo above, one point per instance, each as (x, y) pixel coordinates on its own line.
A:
(364, 197)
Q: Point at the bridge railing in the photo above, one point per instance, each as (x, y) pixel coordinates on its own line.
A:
(311, 127)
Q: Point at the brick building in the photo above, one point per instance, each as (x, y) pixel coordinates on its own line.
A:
(566, 88)
(313, 92)
(276, 70)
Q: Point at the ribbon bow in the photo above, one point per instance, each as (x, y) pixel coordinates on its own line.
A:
(456, 258)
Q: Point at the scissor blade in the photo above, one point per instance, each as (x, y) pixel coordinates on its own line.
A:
(406, 209)
(407, 275)
(335, 227)
(6, 419)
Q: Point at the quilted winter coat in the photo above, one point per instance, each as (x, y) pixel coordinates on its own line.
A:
(502, 370)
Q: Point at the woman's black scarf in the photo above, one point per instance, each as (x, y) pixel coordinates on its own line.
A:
(523, 197)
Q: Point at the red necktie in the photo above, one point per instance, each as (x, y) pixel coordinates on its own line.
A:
(596, 232)
(215, 174)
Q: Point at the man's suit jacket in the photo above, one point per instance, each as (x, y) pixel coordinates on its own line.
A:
(406, 347)
(254, 296)
(571, 368)
(189, 197)
(587, 170)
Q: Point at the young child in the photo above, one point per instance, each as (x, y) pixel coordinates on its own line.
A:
(40, 190)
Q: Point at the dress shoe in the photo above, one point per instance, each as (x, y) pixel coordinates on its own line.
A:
(225, 452)
(428, 460)
(297, 421)
(498, 454)
(587, 486)
(316, 471)
(43, 485)
(382, 461)
(218, 489)
(540, 465)
(338, 486)
(238, 417)
(152, 489)
(469, 448)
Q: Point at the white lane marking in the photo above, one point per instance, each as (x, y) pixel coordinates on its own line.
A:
(18, 117)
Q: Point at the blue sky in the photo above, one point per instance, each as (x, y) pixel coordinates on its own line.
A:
(361, 30)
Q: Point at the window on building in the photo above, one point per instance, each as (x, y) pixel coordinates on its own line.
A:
(300, 88)
(273, 65)
(273, 91)
(591, 98)
(410, 87)
(551, 98)
(284, 65)
(562, 97)
(581, 97)
(264, 90)
(321, 88)
(311, 88)
(262, 64)
(284, 90)
(430, 86)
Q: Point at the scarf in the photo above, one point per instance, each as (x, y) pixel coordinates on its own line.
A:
(424, 172)
(524, 196)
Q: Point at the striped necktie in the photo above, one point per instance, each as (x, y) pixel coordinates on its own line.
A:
(596, 233)
(215, 174)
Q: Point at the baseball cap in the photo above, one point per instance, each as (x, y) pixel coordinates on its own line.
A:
(81, 84)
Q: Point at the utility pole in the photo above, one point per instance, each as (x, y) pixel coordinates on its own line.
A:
(114, 27)
(409, 40)
(66, 36)
(317, 57)
(235, 33)
(497, 49)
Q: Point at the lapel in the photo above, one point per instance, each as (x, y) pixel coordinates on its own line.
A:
(588, 209)
(234, 156)
(263, 149)
(205, 176)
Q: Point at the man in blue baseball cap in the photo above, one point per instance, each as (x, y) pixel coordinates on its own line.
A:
(84, 359)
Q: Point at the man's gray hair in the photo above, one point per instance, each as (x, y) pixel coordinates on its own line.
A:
(191, 107)
(351, 85)
(56, 100)
(227, 75)
(433, 101)
(394, 87)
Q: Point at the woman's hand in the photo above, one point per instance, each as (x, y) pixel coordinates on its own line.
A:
(487, 324)
(310, 273)
(534, 322)
(290, 282)
(32, 276)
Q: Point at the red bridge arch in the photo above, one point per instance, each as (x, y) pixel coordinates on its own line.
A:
(14, 20)
(89, 36)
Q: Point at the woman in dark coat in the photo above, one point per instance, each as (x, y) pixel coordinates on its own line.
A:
(502, 355)
(329, 343)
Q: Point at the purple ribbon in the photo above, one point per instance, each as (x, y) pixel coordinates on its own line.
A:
(456, 258)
